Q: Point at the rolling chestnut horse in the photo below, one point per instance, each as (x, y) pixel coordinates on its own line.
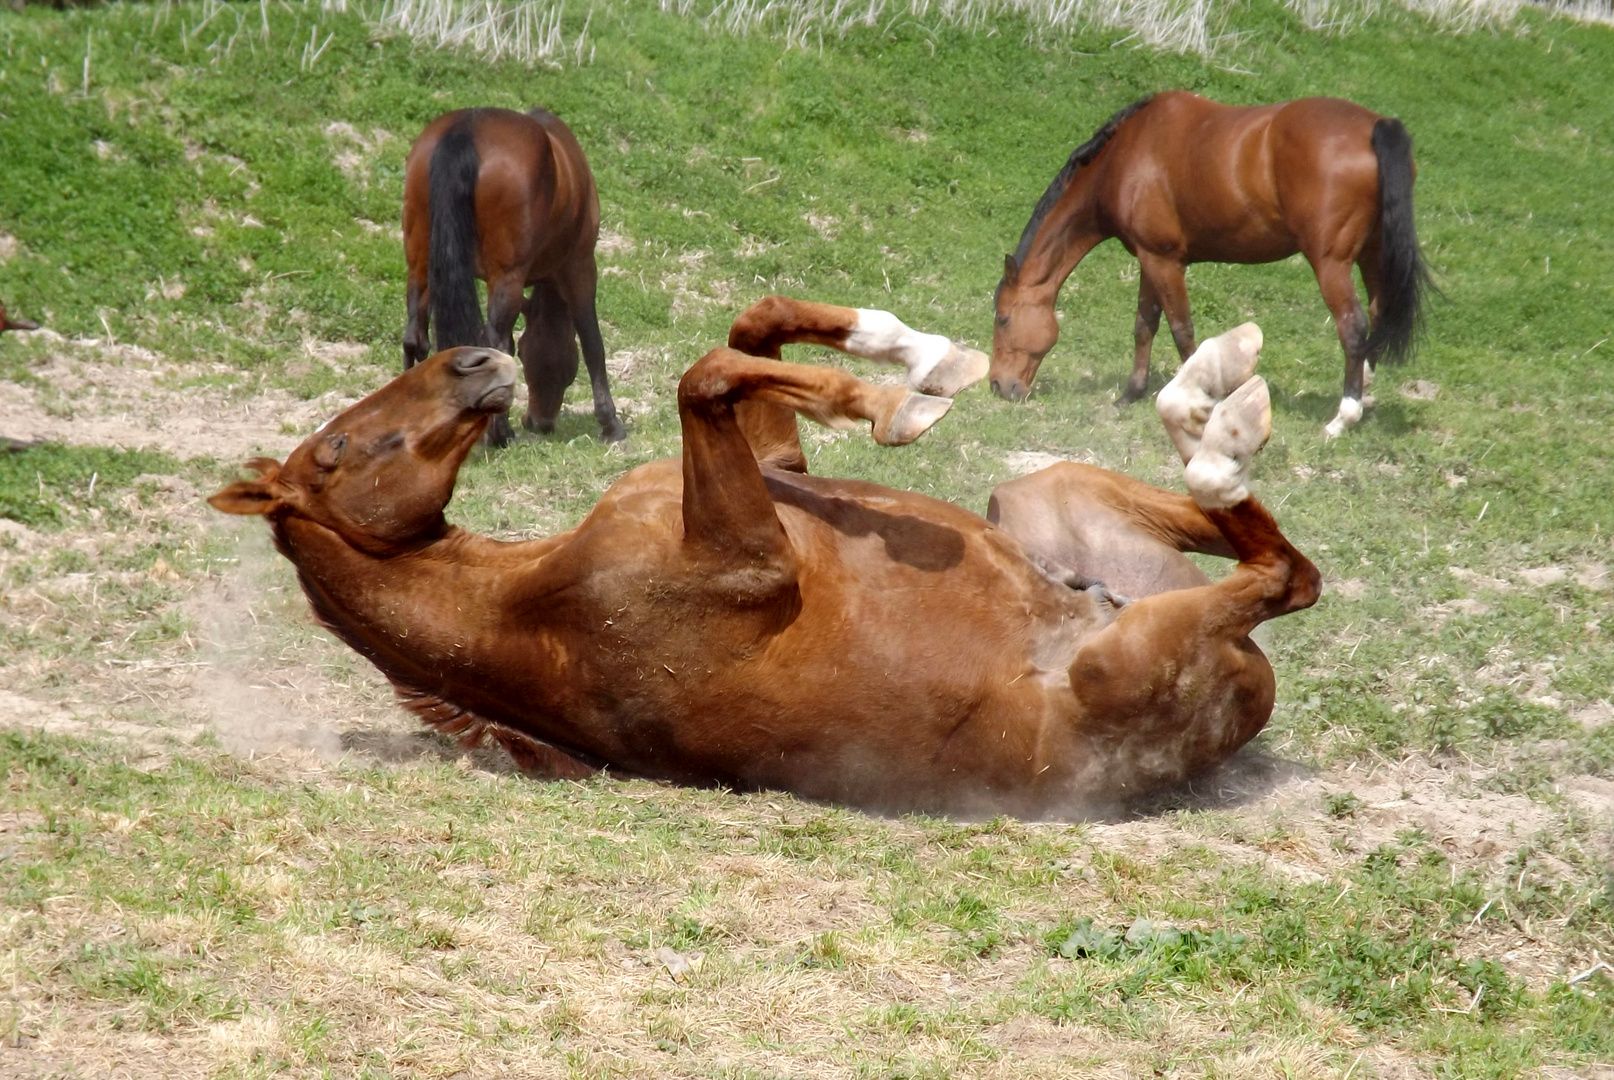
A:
(14, 323)
(1179, 179)
(507, 197)
(718, 620)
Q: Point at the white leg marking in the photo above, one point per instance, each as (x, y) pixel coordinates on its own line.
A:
(935, 365)
(1217, 368)
(1350, 412)
(1218, 476)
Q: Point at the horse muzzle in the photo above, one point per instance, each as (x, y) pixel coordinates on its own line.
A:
(1010, 389)
(489, 379)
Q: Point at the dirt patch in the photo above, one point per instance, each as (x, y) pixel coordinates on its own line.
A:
(93, 393)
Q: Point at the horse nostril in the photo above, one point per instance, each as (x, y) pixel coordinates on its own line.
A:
(472, 360)
(997, 388)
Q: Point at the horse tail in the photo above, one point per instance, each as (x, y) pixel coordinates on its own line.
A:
(1403, 275)
(451, 269)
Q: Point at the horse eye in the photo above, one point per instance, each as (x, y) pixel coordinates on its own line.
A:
(1003, 320)
(330, 452)
(390, 441)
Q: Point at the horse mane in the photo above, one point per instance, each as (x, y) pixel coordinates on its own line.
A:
(1079, 157)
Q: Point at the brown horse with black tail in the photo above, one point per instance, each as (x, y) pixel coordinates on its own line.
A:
(507, 197)
(1179, 179)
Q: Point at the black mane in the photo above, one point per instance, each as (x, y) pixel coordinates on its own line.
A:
(1079, 157)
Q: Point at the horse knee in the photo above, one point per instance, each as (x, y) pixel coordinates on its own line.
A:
(759, 326)
(711, 378)
(1305, 585)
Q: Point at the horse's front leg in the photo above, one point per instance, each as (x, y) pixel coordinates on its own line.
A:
(1173, 686)
(727, 508)
(1167, 277)
(1143, 332)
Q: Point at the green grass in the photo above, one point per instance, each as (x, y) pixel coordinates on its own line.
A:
(286, 908)
(50, 485)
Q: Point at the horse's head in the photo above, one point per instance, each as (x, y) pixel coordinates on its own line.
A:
(1026, 329)
(380, 473)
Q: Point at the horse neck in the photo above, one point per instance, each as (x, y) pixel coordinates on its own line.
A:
(429, 619)
(1066, 234)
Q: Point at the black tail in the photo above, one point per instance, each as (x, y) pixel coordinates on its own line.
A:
(1403, 276)
(451, 272)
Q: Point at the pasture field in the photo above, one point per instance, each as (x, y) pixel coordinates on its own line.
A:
(225, 853)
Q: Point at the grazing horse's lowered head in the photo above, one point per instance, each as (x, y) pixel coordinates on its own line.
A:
(380, 473)
(14, 323)
(1025, 328)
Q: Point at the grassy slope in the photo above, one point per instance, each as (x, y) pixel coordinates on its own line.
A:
(928, 149)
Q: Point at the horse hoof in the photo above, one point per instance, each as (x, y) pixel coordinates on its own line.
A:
(613, 432)
(1218, 475)
(537, 424)
(1218, 368)
(911, 419)
(499, 433)
(959, 370)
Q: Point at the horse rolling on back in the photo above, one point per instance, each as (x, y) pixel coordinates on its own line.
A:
(507, 197)
(1179, 179)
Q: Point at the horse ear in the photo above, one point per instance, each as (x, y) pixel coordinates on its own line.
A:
(258, 496)
(1011, 270)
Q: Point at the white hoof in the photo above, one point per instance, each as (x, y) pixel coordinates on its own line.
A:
(1350, 414)
(912, 418)
(1218, 475)
(1217, 368)
(960, 368)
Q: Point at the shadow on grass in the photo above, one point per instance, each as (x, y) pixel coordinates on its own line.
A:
(1390, 415)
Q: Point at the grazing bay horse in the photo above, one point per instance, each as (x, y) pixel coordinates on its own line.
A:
(507, 197)
(14, 323)
(716, 619)
(1179, 179)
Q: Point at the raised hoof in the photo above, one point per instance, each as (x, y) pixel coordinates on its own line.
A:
(959, 370)
(1218, 475)
(911, 419)
(1217, 368)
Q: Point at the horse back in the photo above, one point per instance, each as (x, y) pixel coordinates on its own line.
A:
(1203, 181)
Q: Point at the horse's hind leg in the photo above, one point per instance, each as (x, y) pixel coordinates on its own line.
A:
(1174, 685)
(548, 356)
(1368, 263)
(1339, 293)
(578, 287)
(1112, 529)
(1107, 528)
